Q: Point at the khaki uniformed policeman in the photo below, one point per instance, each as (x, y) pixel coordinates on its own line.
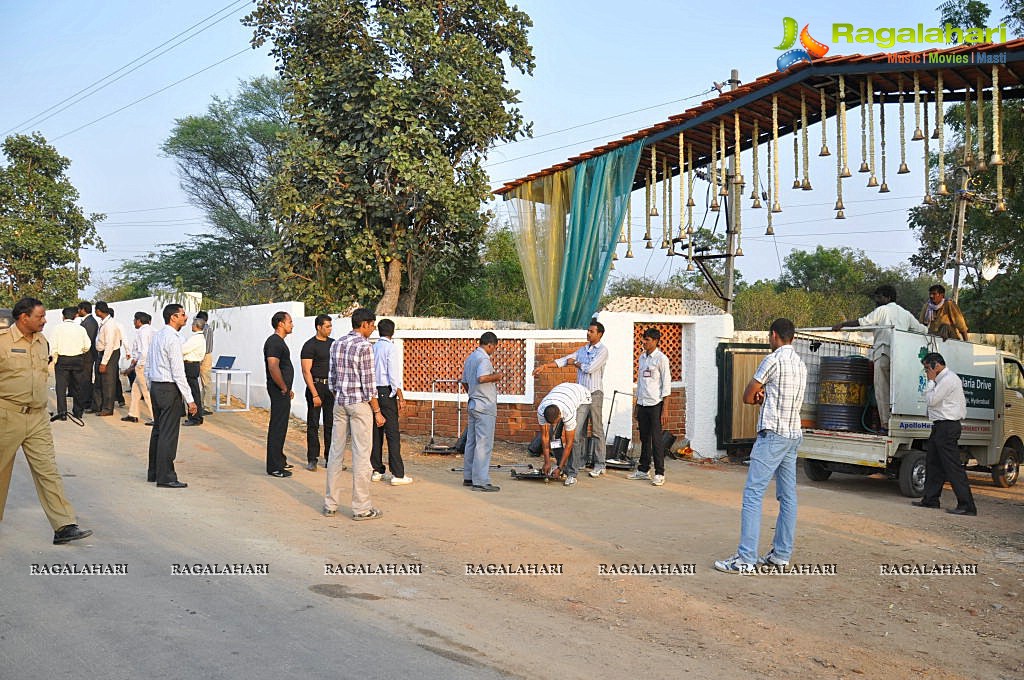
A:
(24, 422)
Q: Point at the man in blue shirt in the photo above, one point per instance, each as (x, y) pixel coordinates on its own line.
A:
(480, 379)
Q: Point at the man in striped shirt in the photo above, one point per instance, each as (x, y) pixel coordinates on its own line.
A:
(589, 362)
(356, 410)
(567, 404)
(778, 386)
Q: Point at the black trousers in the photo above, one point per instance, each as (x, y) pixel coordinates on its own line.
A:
(389, 409)
(109, 381)
(192, 377)
(313, 414)
(168, 408)
(942, 464)
(648, 421)
(277, 429)
(71, 380)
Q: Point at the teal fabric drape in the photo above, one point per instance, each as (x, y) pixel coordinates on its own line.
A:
(600, 193)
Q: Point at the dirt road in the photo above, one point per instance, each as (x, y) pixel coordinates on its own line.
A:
(581, 621)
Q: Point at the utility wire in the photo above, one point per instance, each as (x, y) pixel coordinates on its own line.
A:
(74, 98)
(151, 94)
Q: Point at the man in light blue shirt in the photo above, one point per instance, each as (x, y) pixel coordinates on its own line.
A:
(653, 385)
(388, 370)
(481, 381)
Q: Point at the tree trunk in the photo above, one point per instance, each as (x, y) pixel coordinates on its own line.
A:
(407, 300)
(392, 288)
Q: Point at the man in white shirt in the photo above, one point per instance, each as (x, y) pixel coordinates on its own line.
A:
(108, 345)
(947, 406)
(165, 371)
(653, 385)
(565, 404)
(589, 362)
(139, 350)
(388, 371)
(887, 316)
(193, 352)
(69, 350)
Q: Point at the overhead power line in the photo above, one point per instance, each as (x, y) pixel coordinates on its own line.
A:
(91, 89)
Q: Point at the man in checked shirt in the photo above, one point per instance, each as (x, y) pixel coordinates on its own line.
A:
(355, 410)
(589, 362)
(778, 386)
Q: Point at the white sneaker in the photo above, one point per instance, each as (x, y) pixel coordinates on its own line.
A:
(658, 480)
(376, 477)
(772, 560)
(637, 474)
(734, 565)
(399, 481)
(569, 481)
(596, 473)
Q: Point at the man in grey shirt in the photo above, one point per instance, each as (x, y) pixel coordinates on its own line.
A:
(480, 379)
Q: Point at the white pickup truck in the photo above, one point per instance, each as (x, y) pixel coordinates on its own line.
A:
(992, 439)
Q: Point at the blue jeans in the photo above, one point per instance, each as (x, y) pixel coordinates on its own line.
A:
(772, 456)
(476, 465)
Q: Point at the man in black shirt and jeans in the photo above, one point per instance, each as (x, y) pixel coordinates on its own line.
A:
(280, 375)
(315, 359)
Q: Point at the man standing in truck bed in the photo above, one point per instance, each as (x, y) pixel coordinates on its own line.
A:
(887, 316)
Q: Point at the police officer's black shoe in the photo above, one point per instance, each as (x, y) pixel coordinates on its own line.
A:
(71, 532)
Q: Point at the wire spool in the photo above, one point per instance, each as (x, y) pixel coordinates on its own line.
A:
(844, 387)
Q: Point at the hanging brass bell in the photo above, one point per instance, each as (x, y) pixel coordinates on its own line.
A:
(864, 167)
(884, 189)
(996, 159)
(629, 251)
(806, 184)
(797, 184)
(872, 182)
(723, 191)
(649, 246)
(846, 172)
(615, 255)
(840, 215)
(981, 165)
(1000, 207)
(777, 208)
(756, 205)
(690, 267)
(612, 268)
(690, 202)
(918, 135)
(738, 180)
(904, 169)
(753, 194)
(654, 211)
(739, 252)
(824, 150)
(714, 204)
(689, 230)
(935, 133)
(928, 200)
(770, 231)
(839, 205)
(942, 190)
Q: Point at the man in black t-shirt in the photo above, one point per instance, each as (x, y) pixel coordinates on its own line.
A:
(280, 375)
(316, 366)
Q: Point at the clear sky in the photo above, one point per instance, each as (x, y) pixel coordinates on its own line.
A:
(596, 60)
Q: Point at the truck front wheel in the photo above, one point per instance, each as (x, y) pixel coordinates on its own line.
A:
(912, 471)
(1006, 473)
(816, 470)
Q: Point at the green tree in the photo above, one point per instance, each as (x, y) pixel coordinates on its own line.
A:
(830, 270)
(488, 286)
(225, 160)
(42, 229)
(395, 105)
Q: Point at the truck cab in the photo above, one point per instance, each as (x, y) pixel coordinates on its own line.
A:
(993, 431)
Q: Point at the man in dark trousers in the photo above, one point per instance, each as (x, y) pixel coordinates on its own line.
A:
(69, 348)
(947, 406)
(388, 370)
(165, 371)
(108, 349)
(91, 396)
(280, 375)
(315, 359)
